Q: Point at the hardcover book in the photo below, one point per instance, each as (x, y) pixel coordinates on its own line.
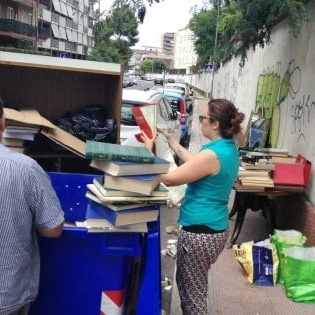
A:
(127, 199)
(160, 190)
(248, 188)
(117, 168)
(116, 152)
(118, 205)
(143, 184)
(254, 173)
(258, 183)
(97, 223)
(13, 142)
(19, 132)
(258, 166)
(126, 217)
(145, 117)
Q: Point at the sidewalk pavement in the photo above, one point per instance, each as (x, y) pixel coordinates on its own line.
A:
(228, 292)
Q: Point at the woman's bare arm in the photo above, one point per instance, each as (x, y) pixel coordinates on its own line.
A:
(183, 154)
(200, 165)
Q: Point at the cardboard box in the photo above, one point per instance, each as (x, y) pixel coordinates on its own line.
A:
(296, 174)
(51, 131)
(27, 116)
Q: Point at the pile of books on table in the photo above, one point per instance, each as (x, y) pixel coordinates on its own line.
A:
(127, 195)
(256, 171)
(255, 179)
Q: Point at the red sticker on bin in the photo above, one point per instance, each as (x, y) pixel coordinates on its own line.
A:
(112, 302)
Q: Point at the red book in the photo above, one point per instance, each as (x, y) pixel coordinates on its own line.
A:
(145, 117)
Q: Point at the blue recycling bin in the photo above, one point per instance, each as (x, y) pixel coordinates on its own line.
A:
(149, 299)
(86, 273)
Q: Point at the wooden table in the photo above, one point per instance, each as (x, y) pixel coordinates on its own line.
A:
(257, 200)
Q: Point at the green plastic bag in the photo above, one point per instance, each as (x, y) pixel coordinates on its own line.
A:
(299, 273)
(284, 239)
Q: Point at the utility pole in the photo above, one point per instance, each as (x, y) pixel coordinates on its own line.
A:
(214, 49)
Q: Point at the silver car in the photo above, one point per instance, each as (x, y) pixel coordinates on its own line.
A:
(166, 118)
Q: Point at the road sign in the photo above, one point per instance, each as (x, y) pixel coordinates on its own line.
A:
(63, 55)
(208, 67)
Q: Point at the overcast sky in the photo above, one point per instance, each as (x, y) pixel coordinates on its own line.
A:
(160, 18)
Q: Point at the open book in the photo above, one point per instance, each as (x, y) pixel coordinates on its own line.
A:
(145, 117)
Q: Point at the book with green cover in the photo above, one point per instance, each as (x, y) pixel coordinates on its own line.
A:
(117, 152)
(118, 168)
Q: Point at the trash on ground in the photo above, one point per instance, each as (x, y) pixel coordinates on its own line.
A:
(167, 283)
(172, 229)
(170, 249)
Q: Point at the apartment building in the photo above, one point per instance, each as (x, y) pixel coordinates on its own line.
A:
(168, 43)
(184, 54)
(60, 28)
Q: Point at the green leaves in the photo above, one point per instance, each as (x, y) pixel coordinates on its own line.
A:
(152, 66)
(241, 25)
(115, 35)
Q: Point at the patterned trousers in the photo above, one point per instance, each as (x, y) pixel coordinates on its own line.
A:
(195, 254)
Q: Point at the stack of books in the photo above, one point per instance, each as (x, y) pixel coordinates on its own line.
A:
(254, 179)
(129, 191)
(257, 161)
(255, 172)
(18, 136)
(274, 152)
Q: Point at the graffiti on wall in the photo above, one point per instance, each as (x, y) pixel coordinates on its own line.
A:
(272, 91)
(227, 86)
(301, 115)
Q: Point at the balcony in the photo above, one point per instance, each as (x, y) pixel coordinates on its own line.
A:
(46, 3)
(12, 26)
(44, 33)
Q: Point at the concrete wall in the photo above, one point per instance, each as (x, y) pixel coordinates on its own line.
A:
(281, 79)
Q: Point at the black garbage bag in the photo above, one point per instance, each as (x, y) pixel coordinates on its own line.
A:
(89, 123)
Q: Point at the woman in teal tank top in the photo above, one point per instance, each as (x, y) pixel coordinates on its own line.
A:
(209, 175)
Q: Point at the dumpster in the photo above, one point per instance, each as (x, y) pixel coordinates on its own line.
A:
(86, 273)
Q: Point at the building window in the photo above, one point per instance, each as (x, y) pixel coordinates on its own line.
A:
(10, 13)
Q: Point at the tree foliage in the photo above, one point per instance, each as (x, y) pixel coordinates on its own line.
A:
(153, 66)
(138, 6)
(115, 35)
(233, 27)
(146, 66)
(159, 66)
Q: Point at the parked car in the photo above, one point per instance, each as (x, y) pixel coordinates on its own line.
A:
(133, 79)
(170, 80)
(178, 103)
(158, 81)
(127, 82)
(167, 118)
(184, 87)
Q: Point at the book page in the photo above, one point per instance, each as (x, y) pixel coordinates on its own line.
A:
(175, 193)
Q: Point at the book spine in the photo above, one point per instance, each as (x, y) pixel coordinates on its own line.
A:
(117, 157)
